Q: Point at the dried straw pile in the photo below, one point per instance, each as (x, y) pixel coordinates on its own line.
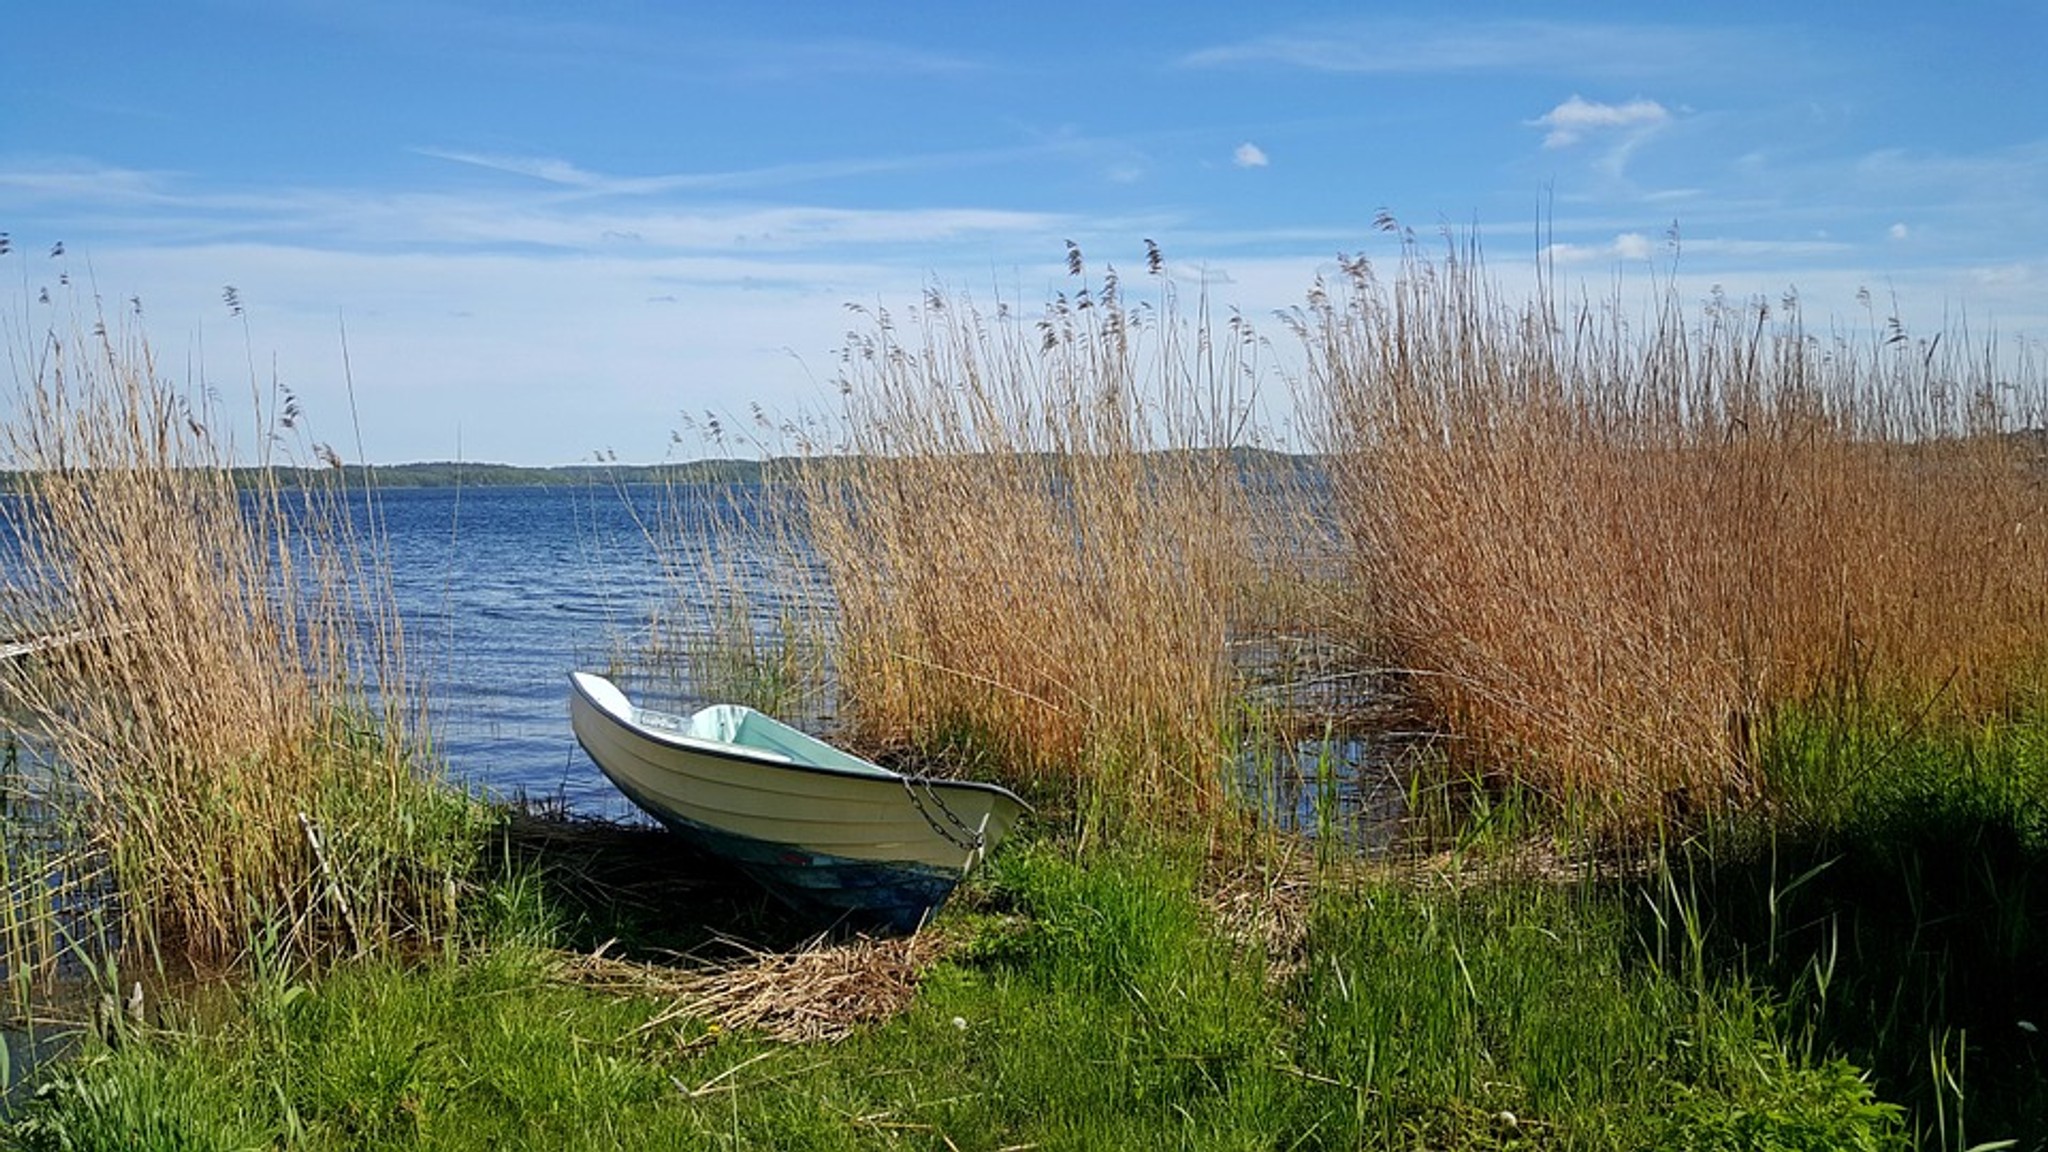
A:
(823, 991)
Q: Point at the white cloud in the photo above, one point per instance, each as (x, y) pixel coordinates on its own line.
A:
(68, 183)
(1632, 246)
(1249, 155)
(1628, 246)
(1898, 231)
(781, 59)
(1578, 117)
(2016, 275)
(163, 211)
(570, 179)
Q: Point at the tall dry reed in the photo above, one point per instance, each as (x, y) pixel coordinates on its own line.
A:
(234, 727)
(740, 620)
(1038, 534)
(1607, 551)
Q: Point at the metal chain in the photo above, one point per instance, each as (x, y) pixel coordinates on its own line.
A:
(976, 839)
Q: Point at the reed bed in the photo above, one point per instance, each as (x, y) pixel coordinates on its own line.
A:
(1039, 536)
(1608, 553)
(742, 619)
(235, 732)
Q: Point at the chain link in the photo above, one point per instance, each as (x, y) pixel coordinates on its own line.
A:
(974, 838)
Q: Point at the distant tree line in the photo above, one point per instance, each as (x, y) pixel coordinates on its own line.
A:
(458, 474)
(451, 474)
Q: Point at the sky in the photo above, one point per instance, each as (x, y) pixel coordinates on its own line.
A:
(539, 233)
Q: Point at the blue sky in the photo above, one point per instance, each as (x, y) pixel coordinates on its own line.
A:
(549, 230)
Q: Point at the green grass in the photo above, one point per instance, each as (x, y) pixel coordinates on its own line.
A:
(1090, 1001)
(1894, 897)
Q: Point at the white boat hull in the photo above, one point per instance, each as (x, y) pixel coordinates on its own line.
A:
(813, 823)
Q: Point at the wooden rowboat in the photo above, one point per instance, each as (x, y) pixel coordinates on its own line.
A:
(819, 827)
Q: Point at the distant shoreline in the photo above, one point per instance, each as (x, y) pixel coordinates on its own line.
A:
(449, 474)
(453, 474)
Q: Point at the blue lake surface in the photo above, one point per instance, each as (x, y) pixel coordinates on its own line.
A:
(505, 591)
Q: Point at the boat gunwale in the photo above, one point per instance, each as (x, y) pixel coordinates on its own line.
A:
(742, 754)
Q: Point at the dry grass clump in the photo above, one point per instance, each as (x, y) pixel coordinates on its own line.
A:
(1038, 536)
(1607, 554)
(1264, 902)
(820, 992)
(217, 732)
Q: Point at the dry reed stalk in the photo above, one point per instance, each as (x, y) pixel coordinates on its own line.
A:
(224, 706)
(742, 620)
(819, 992)
(1608, 555)
(1038, 537)
(1264, 900)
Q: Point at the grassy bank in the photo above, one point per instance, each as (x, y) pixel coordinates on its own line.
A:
(1892, 898)
(1095, 999)
(1854, 973)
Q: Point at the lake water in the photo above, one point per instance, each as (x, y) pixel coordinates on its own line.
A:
(505, 591)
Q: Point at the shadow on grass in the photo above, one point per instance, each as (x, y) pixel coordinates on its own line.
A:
(1898, 906)
(642, 893)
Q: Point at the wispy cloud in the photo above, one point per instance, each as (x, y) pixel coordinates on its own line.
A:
(1532, 47)
(159, 209)
(70, 181)
(1763, 254)
(843, 58)
(547, 169)
(572, 179)
(1975, 201)
(1578, 118)
(569, 176)
(1617, 129)
(2019, 171)
(1249, 155)
(2018, 274)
